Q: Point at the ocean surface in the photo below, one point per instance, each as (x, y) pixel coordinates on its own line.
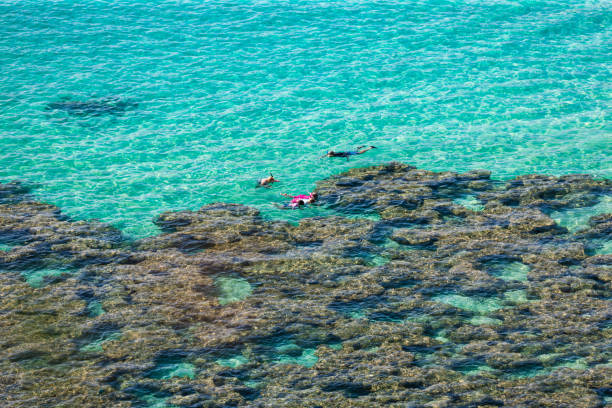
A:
(429, 289)
(121, 110)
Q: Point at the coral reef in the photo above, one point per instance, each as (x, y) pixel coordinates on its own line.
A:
(465, 291)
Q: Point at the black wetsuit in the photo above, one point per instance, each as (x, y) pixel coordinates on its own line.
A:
(342, 154)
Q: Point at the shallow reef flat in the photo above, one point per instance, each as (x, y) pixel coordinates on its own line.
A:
(435, 290)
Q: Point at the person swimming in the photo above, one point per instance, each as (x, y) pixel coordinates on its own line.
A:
(331, 153)
(267, 181)
(301, 200)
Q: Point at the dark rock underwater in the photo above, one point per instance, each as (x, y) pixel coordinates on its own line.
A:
(451, 290)
(92, 107)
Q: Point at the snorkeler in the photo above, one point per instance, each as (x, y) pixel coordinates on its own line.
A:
(301, 200)
(331, 153)
(265, 182)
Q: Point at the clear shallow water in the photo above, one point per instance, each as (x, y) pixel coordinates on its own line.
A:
(232, 289)
(173, 369)
(470, 202)
(575, 219)
(509, 271)
(36, 278)
(227, 91)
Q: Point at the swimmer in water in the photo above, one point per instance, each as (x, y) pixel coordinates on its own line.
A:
(331, 153)
(301, 200)
(267, 181)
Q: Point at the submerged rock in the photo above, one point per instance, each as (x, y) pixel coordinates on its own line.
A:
(42, 237)
(439, 302)
(92, 107)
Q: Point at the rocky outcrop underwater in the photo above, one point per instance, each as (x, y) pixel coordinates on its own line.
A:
(92, 107)
(437, 289)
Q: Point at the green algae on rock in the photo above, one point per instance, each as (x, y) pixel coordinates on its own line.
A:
(425, 302)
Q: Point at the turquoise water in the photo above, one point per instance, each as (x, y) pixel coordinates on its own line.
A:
(474, 304)
(482, 304)
(232, 289)
(509, 271)
(575, 219)
(233, 362)
(173, 369)
(286, 352)
(478, 320)
(36, 278)
(97, 345)
(95, 309)
(228, 91)
(470, 202)
(291, 353)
